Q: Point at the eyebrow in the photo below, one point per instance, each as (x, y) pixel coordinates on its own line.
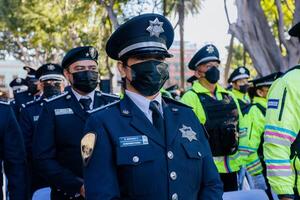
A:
(85, 66)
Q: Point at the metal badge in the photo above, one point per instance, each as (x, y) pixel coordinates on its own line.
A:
(155, 28)
(87, 147)
(210, 49)
(242, 70)
(50, 67)
(18, 80)
(188, 133)
(93, 52)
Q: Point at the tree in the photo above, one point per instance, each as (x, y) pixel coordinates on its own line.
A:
(181, 8)
(261, 27)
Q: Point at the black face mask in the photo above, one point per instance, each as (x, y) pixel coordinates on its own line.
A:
(32, 87)
(244, 88)
(85, 81)
(149, 77)
(51, 90)
(212, 75)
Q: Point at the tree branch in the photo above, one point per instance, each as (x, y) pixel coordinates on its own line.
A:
(226, 12)
(281, 25)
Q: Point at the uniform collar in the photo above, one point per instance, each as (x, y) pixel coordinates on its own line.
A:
(90, 95)
(197, 87)
(241, 96)
(143, 103)
(261, 101)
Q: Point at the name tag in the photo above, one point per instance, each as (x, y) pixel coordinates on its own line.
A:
(63, 111)
(133, 141)
(273, 103)
(35, 118)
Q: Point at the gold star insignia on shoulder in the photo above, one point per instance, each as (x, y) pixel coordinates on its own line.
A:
(155, 28)
(210, 49)
(87, 147)
(188, 133)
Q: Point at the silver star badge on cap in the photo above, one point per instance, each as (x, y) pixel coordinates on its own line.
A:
(18, 80)
(188, 133)
(93, 52)
(210, 49)
(155, 28)
(242, 70)
(50, 67)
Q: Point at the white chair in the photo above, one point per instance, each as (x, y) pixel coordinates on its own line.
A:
(42, 194)
(246, 195)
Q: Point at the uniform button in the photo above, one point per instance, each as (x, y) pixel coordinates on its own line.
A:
(175, 196)
(135, 159)
(65, 193)
(199, 154)
(173, 175)
(170, 155)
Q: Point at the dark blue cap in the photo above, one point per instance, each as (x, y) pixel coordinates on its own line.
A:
(239, 73)
(80, 53)
(50, 71)
(295, 30)
(30, 72)
(145, 34)
(18, 82)
(266, 80)
(204, 55)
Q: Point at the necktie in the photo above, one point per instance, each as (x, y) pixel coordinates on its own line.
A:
(157, 119)
(85, 103)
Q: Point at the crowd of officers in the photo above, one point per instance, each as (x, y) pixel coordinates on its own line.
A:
(63, 133)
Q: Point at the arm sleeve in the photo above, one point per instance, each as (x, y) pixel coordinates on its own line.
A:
(281, 129)
(101, 184)
(27, 130)
(44, 156)
(15, 159)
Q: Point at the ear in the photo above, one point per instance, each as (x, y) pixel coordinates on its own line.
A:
(121, 69)
(259, 92)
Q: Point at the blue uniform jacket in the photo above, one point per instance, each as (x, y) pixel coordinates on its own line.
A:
(131, 160)
(12, 153)
(20, 100)
(56, 141)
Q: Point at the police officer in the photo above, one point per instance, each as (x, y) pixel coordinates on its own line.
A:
(51, 79)
(239, 81)
(158, 149)
(18, 85)
(56, 141)
(12, 154)
(32, 92)
(252, 144)
(281, 137)
(219, 111)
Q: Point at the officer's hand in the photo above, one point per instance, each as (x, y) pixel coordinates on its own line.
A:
(82, 191)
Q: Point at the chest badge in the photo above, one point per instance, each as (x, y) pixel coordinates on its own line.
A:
(87, 147)
(188, 133)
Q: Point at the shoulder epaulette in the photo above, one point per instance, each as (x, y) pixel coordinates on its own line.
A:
(4, 102)
(103, 107)
(170, 100)
(56, 97)
(108, 95)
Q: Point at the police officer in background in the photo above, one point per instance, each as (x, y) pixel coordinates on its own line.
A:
(56, 141)
(281, 137)
(158, 149)
(18, 85)
(32, 92)
(239, 81)
(51, 80)
(12, 154)
(219, 111)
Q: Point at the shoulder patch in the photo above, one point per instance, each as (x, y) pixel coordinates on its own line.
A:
(56, 97)
(4, 102)
(87, 147)
(103, 107)
(108, 95)
(169, 100)
(273, 103)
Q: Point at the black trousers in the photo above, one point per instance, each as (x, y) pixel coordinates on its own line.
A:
(230, 181)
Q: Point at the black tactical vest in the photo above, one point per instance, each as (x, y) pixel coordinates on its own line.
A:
(221, 123)
(245, 107)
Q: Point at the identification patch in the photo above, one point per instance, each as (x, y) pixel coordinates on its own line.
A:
(133, 141)
(63, 111)
(273, 103)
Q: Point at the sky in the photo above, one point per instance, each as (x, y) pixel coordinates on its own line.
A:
(210, 25)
